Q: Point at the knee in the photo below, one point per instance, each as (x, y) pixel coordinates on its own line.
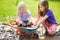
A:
(51, 32)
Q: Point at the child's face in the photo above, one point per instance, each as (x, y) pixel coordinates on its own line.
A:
(23, 10)
(42, 8)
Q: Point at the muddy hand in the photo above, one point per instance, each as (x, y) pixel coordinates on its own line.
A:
(35, 27)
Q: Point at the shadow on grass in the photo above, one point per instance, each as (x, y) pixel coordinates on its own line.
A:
(49, 0)
(55, 0)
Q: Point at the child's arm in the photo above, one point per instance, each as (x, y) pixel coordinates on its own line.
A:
(36, 21)
(30, 18)
(40, 21)
(18, 18)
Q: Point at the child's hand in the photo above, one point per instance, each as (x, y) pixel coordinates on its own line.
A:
(34, 24)
(34, 27)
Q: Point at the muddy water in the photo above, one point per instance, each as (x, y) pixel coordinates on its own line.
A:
(46, 38)
(52, 38)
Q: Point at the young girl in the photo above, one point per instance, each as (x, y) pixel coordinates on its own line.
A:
(46, 17)
(23, 12)
(24, 15)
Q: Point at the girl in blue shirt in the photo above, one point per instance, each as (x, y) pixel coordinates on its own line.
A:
(46, 18)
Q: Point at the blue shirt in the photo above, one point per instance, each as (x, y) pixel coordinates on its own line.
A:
(24, 17)
(51, 18)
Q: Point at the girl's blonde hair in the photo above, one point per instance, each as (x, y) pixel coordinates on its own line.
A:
(22, 5)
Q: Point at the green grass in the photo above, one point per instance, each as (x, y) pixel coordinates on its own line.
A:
(9, 7)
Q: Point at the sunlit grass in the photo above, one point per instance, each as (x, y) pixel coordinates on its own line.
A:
(9, 7)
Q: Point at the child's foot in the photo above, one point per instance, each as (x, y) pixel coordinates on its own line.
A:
(48, 35)
(57, 33)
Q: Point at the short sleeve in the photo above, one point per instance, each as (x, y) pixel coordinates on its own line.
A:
(49, 13)
(29, 13)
